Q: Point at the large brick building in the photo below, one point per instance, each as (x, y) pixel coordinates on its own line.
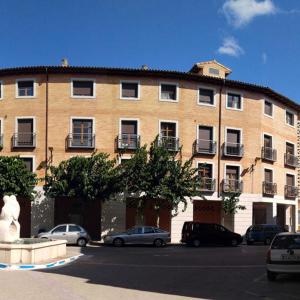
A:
(243, 137)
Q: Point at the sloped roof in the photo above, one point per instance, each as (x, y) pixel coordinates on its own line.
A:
(151, 73)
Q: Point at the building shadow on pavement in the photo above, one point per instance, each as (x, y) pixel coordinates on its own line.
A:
(177, 270)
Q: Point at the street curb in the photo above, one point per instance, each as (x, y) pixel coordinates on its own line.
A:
(30, 267)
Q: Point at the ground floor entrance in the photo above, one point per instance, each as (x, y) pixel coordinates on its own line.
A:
(207, 211)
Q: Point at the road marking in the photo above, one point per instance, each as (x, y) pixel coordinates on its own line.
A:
(259, 278)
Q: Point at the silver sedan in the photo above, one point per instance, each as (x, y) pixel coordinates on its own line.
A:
(72, 233)
(139, 235)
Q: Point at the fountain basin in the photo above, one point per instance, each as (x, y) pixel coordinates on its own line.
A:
(31, 251)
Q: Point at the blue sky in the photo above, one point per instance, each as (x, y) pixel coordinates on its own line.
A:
(257, 39)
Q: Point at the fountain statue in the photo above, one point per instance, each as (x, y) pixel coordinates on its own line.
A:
(9, 224)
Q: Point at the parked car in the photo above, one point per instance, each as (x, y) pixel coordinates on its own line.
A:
(139, 235)
(284, 255)
(263, 233)
(196, 234)
(72, 233)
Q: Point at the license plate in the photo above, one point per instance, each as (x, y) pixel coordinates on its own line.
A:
(290, 257)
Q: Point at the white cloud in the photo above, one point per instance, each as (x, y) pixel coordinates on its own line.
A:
(242, 12)
(264, 57)
(231, 47)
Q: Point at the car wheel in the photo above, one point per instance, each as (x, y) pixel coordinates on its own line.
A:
(158, 243)
(271, 276)
(267, 241)
(196, 243)
(81, 242)
(234, 243)
(118, 242)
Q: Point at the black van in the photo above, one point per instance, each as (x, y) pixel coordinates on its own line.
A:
(263, 233)
(197, 234)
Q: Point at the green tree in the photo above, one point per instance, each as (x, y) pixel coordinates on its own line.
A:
(159, 176)
(15, 179)
(230, 203)
(84, 178)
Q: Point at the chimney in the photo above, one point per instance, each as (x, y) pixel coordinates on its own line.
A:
(64, 62)
(145, 67)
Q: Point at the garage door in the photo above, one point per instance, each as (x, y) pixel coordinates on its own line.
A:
(207, 211)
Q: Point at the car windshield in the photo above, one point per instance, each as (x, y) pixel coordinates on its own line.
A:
(286, 242)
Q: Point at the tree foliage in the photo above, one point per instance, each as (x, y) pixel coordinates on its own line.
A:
(90, 178)
(160, 176)
(15, 178)
(230, 203)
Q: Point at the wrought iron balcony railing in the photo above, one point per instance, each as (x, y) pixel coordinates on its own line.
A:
(268, 153)
(232, 186)
(269, 188)
(81, 140)
(128, 141)
(169, 142)
(205, 147)
(207, 184)
(24, 140)
(290, 191)
(290, 160)
(233, 149)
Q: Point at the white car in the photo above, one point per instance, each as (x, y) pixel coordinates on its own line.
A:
(284, 255)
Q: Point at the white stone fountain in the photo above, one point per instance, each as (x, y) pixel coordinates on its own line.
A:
(14, 250)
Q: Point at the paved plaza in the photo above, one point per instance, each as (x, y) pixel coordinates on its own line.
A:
(174, 272)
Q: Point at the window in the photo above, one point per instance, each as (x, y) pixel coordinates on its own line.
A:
(168, 92)
(1, 134)
(233, 145)
(268, 175)
(232, 181)
(205, 170)
(129, 90)
(74, 228)
(25, 88)
(82, 133)
(268, 110)
(60, 229)
(214, 71)
(129, 134)
(28, 163)
(168, 129)
(267, 141)
(290, 118)
(25, 136)
(136, 230)
(290, 180)
(148, 230)
(290, 148)
(168, 136)
(205, 140)
(83, 88)
(234, 101)
(206, 96)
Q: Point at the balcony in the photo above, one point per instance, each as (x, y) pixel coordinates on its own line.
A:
(268, 153)
(24, 140)
(128, 141)
(290, 191)
(233, 149)
(207, 184)
(269, 188)
(205, 147)
(169, 142)
(290, 160)
(81, 140)
(232, 186)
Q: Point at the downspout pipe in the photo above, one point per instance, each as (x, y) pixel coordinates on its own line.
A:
(46, 121)
(219, 137)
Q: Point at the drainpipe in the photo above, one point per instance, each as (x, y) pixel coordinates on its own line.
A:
(219, 135)
(46, 123)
